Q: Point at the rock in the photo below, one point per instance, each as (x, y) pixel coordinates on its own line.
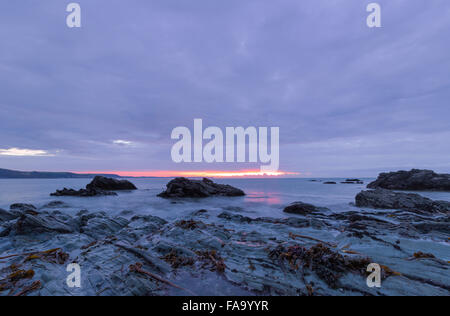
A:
(386, 199)
(352, 182)
(330, 182)
(414, 180)
(301, 208)
(20, 209)
(110, 184)
(29, 224)
(6, 216)
(23, 207)
(185, 188)
(82, 192)
(98, 187)
(54, 204)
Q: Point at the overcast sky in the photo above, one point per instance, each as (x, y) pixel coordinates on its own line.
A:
(349, 100)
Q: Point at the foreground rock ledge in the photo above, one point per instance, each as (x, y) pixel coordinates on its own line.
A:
(99, 186)
(414, 180)
(386, 199)
(186, 188)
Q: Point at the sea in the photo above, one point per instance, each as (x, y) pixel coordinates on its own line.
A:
(265, 197)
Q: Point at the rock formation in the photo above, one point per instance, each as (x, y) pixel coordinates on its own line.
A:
(414, 180)
(99, 186)
(386, 199)
(186, 188)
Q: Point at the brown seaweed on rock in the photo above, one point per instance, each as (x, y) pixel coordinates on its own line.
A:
(329, 266)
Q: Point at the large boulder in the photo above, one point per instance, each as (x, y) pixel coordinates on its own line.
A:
(301, 208)
(386, 199)
(109, 184)
(182, 188)
(414, 180)
(98, 187)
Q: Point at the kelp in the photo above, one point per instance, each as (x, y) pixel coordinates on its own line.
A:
(177, 261)
(190, 224)
(212, 260)
(328, 265)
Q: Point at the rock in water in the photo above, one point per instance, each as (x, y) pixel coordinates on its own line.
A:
(386, 199)
(6, 216)
(109, 184)
(98, 187)
(82, 192)
(303, 208)
(414, 180)
(185, 188)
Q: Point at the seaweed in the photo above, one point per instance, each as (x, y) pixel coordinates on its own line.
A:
(137, 267)
(421, 255)
(190, 224)
(212, 260)
(177, 261)
(328, 265)
(53, 255)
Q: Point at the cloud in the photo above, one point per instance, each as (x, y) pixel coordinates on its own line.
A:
(23, 152)
(343, 93)
(122, 142)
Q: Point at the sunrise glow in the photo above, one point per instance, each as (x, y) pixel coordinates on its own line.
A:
(197, 174)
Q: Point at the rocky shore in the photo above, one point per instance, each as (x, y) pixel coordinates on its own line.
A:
(414, 180)
(313, 252)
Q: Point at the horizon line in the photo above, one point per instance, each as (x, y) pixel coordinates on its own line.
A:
(196, 174)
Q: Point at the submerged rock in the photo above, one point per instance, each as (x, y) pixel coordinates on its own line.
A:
(98, 187)
(82, 192)
(414, 180)
(54, 204)
(303, 208)
(186, 188)
(386, 199)
(23, 207)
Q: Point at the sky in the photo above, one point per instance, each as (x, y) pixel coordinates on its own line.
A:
(349, 100)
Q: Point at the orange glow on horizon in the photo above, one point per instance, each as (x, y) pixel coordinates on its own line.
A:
(196, 174)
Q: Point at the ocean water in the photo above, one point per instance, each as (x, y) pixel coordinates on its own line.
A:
(265, 197)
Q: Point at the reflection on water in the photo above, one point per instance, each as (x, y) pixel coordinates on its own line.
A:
(270, 198)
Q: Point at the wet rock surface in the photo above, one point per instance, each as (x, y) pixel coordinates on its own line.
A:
(100, 186)
(110, 184)
(301, 208)
(386, 199)
(186, 188)
(414, 180)
(224, 253)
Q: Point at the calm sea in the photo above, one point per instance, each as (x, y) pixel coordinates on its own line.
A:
(265, 197)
